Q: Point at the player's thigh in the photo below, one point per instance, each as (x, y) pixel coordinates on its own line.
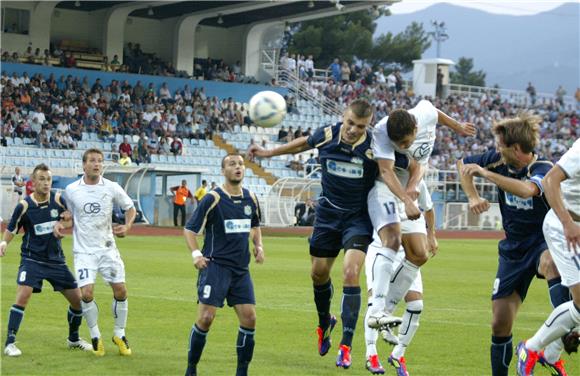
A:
(353, 263)
(86, 267)
(383, 206)
(23, 295)
(325, 242)
(321, 267)
(73, 296)
(112, 267)
(213, 284)
(567, 262)
(416, 248)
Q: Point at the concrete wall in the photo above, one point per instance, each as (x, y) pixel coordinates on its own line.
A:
(219, 43)
(77, 25)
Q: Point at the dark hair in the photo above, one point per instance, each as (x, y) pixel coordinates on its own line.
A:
(40, 167)
(523, 130)
(229, 155)
(91, 151)
(361, 108)
(400, 124)
(204, 182)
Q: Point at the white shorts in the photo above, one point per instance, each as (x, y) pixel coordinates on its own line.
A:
(109, 264)
(372, 252)
(567, 262)
(385, 209)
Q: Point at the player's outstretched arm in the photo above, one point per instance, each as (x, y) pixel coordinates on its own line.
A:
(477, 205)
(199, 261)
(386, 169)
(256, 234)
(6, 239)
(520, 188)
(553, 193)
(293, 147)
(462, 129)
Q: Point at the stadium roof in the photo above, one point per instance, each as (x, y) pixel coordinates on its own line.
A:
(277, 10)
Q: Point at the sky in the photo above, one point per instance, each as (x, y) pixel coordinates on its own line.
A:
(511, 7)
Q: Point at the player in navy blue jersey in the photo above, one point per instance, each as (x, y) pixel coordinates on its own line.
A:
(41, 258)
(342, 219)
(230, 216)
(518, 172)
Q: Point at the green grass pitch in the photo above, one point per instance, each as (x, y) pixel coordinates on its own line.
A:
(453, 338)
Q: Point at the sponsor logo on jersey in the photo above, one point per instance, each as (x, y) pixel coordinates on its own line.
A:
(344, 169)
(422, 151)
(247, 210)
(92, 208)
(237, 226)
(44, 228)
(518, 202)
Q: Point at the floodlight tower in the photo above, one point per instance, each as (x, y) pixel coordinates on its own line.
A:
(439, 34)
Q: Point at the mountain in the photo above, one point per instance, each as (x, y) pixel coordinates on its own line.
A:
(513, 50)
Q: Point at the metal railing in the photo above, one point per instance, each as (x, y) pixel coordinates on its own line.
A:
(519, 96)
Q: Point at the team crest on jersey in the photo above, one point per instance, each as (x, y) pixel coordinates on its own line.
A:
(247, 210)
(369, 154)
(54, 213)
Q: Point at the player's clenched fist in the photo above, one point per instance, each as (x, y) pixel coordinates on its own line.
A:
(478, 205)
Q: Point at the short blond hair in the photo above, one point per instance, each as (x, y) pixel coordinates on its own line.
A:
(523, 130)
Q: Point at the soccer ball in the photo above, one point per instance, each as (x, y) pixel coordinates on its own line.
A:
(267, 109)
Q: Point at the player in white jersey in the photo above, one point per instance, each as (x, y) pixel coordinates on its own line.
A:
(562, 233)
(413, 133)
(90, 200)
(413, 297)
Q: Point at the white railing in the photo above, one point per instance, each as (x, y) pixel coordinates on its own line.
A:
(518, 96)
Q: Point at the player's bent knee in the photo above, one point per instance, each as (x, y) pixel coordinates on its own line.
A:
(319, 277)
(547, 266)
(418, 259)
(351, 276)
(501, 327)
(206, 319)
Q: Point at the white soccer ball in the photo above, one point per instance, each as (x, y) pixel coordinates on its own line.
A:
(267, 109)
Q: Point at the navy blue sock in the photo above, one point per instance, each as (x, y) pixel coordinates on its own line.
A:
(245, 349)
(74, 319)
(559, 294)
(196, 343)
(14, 320)
(351, 301)
(322, 299)
(501, 355)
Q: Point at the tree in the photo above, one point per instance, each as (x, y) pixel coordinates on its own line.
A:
(402, 48)
(463, 73)
(350, 36)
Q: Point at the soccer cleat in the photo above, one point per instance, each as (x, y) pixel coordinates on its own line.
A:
(379, 319)
(343, 358)
(98, 346)
(527, 360)
(12, 350)
(399, 364)
(374, 365)
(556, 369)
(324, 341)
(388, 336)
(571, 341)
(123, 345)
(81, 344)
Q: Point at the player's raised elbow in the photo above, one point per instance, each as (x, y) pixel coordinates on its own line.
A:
(530, 190)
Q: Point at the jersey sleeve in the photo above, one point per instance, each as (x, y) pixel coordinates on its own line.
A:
(320, 137)
(19, 211)
(570, 161)
(537, 172)
(425, 113)
(487, 160)
(257, 216)
(382, 145)
(121, 198)
(201, 213)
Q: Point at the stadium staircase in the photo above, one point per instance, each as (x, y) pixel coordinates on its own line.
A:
(297, 87)
(256, 168)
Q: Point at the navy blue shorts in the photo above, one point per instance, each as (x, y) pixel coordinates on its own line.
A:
(335, 229)
(218, 282)
(32, 273)
(518, 264)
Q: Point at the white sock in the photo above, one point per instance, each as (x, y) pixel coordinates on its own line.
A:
(120, 311)
(402, 278)
(382, 270)
(563, 318)
(553, 351)
(371, 335)
(91, 313)
(408, 327)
